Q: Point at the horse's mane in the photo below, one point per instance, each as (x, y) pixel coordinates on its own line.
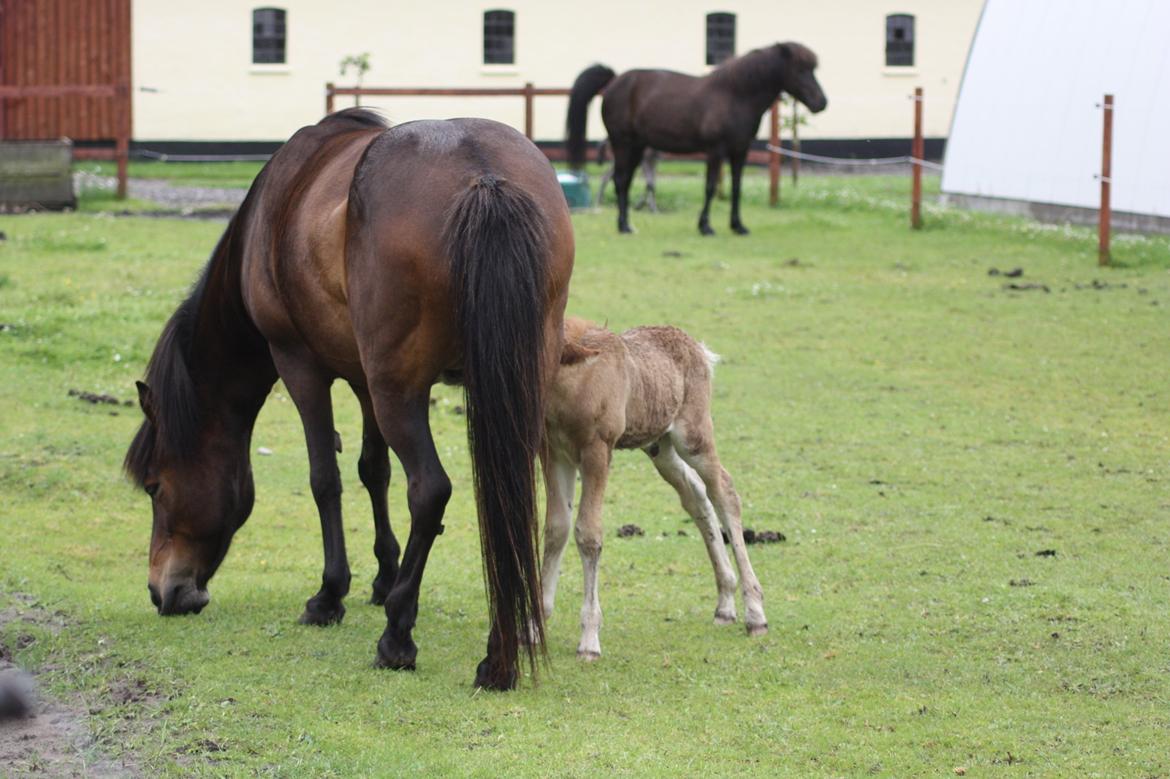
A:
(764, 64)
(362, 117)
(171, 424)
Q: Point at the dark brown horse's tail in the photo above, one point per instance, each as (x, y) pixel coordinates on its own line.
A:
(591, 81)
(497, 239)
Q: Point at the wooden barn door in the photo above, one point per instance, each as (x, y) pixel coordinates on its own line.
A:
(65, 73)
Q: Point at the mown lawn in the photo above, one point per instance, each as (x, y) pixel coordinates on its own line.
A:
(918, 431)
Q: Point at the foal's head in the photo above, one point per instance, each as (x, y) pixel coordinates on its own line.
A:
(799, 62)
(192, 459)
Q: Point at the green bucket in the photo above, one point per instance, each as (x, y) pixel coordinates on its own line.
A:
(576, 189)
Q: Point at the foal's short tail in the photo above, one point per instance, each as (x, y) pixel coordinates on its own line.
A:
(498, 243)
(591, 81)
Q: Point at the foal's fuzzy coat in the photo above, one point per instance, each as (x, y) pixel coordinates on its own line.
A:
(648, 388)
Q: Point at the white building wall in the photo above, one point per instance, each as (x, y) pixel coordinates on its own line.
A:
(195, 80)
(1028, 126)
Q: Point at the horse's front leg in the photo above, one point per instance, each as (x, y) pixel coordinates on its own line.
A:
(405, 426)
(737, 163)
(374, 470)
(714, 165)
(595, 462)
(308, 385)
(559, 480)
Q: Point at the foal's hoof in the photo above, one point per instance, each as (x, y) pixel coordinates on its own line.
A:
(740, 230)
(322, 611)
(725, 618)
(757, 630)
(396, 655)
(494, 679)
(588, 655)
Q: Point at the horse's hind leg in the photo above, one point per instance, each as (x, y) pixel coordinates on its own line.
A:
(625, 161)
(374, 470)
(714, 165)
(595, 461)
(737, 162)
(693, 495)
(405, 427)
(309, 389)
(695, 441)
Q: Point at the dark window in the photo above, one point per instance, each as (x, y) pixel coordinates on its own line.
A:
(900, 40)
(499, 38)
(268, 35)
(720, 37)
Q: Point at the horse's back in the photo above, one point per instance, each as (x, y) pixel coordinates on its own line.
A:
(293, 270)
(662, 109)
(398, 271)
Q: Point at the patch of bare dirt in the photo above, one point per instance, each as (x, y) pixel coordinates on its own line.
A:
(40, 735)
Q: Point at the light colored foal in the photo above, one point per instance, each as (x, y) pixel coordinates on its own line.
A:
(648, 388)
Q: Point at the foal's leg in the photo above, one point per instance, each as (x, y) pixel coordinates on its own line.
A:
(693, 495)
(695, 441)
(649, 171)
(595, 461)
(374, 470)
(625, 162)
(714, 164)
(559, 485)
(404, 424)
(309, 389)
(737, 161)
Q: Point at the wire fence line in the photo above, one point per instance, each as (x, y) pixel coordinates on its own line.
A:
(874, 161)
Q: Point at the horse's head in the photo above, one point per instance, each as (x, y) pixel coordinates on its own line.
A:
(200, 484)
(799, 79)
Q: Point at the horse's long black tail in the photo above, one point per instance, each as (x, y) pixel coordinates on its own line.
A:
(591, 81)
(498, 242)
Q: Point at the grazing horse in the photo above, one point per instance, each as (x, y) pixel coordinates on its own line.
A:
(650, 389)
(389, 258)
(718, 114)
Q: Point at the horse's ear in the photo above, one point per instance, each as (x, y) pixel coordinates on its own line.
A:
(574, 353)
(785, 50)
(145, 399)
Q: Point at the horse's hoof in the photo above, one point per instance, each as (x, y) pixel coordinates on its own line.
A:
(487, 679)
(726, 618)
(321, 612)
(740, 230)
(379, 594)
(757, 630)
(396, 655)
(588, 655)
(706, 230)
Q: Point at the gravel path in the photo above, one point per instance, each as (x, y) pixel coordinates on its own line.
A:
(164, 193)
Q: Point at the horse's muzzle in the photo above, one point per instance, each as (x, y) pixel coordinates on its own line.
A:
(182, 598)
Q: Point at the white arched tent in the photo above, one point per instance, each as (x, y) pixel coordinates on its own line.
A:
(1026, 134)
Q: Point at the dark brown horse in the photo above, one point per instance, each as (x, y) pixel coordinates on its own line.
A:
(718, 114)
(391, 259)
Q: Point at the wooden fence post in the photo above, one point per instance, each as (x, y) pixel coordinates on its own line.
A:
(917, 151)
(1104, 214)
(774, 160)
(122, 142)
(328, 98)
(528, 95)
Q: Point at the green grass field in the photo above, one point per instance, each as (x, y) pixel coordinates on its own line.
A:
(918, 431)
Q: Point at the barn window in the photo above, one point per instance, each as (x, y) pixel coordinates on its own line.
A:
(499, 38)
(268, 35)
(720, 37)
(900, 40)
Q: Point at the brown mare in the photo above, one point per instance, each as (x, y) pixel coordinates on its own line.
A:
(390, 259)
(718, 114)
(648, 388)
